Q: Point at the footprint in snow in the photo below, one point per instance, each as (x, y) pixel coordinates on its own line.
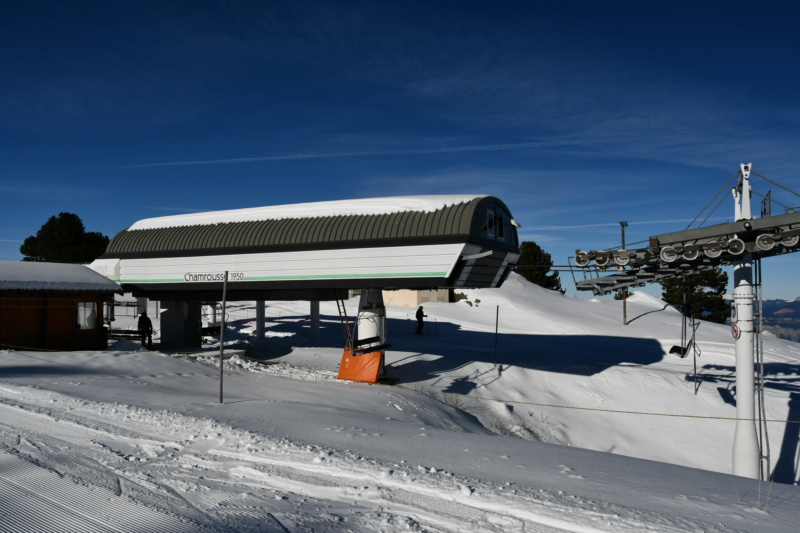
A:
(566, 470)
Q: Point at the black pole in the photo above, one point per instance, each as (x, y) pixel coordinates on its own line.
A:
(496, 327)
(625, 290)
(222, 331)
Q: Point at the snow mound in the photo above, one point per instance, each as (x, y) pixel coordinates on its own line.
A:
(646, 299)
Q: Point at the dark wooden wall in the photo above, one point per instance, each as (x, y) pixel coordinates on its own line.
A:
(49, 320)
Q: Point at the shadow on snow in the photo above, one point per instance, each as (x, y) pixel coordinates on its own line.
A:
(448, 347)
(570, 354)
(780, 377)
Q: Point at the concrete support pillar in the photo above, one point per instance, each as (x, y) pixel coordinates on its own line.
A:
(180, 324)
(172, 318)
(141, 306)
(260, 317)
(314, 311)
(193, 335)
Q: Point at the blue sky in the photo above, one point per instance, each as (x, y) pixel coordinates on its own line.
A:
(576, 114)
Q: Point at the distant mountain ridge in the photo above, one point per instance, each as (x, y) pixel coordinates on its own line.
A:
(782, 318)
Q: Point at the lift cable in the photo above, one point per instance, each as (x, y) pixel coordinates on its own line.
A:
(775, 183)
(696, 352)
(759, 355)
(712, 212)
(775, 201)
(688, 340)
(627, 245)
(725, 187)
(722, 190)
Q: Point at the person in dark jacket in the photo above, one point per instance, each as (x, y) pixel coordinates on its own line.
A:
(420, 321)
(146, 330)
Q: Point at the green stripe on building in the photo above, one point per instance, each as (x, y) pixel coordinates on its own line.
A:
(278, 278)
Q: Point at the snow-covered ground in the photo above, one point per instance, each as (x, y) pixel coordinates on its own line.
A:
(616, 434)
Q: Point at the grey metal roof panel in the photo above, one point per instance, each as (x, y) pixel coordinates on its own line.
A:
(460, 220)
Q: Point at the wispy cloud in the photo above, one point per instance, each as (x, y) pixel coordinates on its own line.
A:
(326, 155)
(33, 189)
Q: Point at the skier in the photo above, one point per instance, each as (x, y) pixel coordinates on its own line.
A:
(146, 330)
(420, 322)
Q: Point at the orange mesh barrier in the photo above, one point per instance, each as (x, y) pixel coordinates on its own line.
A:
(365, 367)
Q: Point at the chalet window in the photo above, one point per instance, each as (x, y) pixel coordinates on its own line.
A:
(500, 222)
(487, 230)
(87, 315)
(496, 224)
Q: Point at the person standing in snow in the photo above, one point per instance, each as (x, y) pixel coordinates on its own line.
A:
(420, 322)
(146, 330)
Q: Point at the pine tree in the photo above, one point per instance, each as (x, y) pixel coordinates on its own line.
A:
(704, 294)
(534, 264)
(63, 239)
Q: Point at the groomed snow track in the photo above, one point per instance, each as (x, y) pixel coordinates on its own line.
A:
(37, 499)
(74, 465)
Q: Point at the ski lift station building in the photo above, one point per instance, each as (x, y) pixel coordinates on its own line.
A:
(315, 251)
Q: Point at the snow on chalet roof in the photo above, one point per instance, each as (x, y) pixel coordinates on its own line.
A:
(34, 276)
(364, 206)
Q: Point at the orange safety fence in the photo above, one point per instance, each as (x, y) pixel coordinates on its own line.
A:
(365, 367)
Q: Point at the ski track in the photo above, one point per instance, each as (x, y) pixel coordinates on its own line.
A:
(73, 457)
(47, 501)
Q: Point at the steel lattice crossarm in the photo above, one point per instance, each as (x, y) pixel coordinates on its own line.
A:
(690, 251)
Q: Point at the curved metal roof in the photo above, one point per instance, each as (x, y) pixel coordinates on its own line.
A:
(448, 223)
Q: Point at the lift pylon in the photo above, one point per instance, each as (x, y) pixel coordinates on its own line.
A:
(746, 451)
(739, 243)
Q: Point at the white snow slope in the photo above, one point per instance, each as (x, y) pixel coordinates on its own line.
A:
(614, 437)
